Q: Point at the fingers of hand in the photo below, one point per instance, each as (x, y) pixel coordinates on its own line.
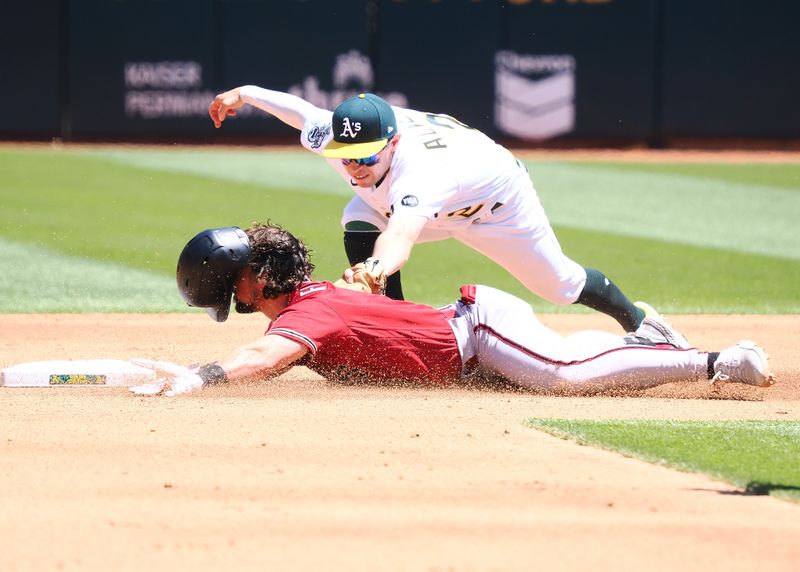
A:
(179, 386)
(160, 367)
(371, 274)
(355, 286)
(222, 113)
(213, 112)
(149, 388)
(347, 275)
(184, 384)
(177, 378)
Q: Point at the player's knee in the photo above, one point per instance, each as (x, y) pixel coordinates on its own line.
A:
(559, 283)
(561, 293)
(564, 299)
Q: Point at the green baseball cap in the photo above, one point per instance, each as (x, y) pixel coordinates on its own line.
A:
(361, 127)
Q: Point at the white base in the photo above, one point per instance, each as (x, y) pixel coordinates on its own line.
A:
(82, 372)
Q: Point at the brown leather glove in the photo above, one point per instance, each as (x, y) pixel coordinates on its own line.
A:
(368, 276)
(355, 286)
(371, 273)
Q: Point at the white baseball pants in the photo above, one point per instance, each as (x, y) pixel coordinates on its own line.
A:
(503, 333)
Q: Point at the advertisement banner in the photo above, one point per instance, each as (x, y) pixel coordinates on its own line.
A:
(576, 69)
(441, 55)
(534, 95)
(731, 69)
(30, 69)
(315, 49)
(140, 67)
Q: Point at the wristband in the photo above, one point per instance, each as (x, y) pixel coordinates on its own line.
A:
(212, 374)
(372, 263)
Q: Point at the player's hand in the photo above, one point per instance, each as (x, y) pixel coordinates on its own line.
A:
(173, 378)
(225, 105)
(354, 286)
(370, 274)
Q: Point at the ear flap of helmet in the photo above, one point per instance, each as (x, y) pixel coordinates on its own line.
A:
(209, 266)
(220, 313)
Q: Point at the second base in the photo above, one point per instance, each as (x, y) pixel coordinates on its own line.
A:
(85, 372)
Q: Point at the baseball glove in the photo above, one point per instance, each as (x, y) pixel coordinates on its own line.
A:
(371, 274)
(355, 286)
(368, 276)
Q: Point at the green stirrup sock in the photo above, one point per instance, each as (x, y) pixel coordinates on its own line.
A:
(601, 294)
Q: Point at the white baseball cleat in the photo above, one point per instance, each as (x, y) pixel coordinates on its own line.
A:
(743, 363)
(656, 329)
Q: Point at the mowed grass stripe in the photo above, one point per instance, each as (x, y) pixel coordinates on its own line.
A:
(777, 175)
(36, 280)
(290, 170)
(86, 206)
(670, 206)
(673, 207)
(702, 205)
(759, 457)
(695, 206)
(689, 279)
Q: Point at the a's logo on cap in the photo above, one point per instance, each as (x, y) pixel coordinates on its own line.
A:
(348, 129)
(361, 126)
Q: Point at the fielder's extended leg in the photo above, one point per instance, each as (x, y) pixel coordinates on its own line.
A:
(601, 294)
(358, 245)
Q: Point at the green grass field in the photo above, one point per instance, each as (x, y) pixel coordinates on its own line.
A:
(100, 229)
(760, 457)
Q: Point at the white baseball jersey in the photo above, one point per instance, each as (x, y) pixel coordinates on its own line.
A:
(442, 170)
(469, 188)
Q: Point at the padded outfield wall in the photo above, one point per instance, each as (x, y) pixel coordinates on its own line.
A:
(527, 70)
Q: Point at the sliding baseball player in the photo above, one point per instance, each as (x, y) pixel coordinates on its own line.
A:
(349, 335)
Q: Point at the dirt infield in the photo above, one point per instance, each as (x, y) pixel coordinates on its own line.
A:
(299, 473)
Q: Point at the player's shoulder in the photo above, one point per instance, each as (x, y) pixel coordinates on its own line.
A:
(408, 118)
(311, 290)
(317, 131)
(323, 292)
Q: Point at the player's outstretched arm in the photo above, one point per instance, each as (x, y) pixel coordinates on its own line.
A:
(290, 109)
(392, 250)
(263, 358)
(393, 247)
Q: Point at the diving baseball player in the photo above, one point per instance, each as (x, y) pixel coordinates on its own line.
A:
(421, 177)
(353, 336)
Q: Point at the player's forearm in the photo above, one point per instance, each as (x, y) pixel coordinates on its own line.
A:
(248, 364)
(393, 250)
(393, 247)
(288, 108)
(264, 358)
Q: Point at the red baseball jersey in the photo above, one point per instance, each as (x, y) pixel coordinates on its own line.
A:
(351, 335)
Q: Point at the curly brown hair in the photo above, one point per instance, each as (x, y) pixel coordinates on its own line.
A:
(279, 258)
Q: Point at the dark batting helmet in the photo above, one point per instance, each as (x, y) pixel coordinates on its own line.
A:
(209, 266)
